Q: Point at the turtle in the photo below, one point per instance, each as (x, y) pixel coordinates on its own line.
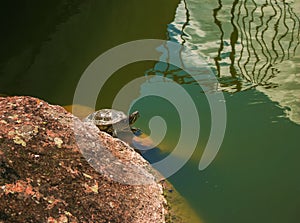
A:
(113, 121)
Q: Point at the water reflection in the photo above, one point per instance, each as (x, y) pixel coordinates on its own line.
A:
(269, 34)
(246, 43)
(189, 57)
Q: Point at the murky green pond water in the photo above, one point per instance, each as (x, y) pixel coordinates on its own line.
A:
(252, 47)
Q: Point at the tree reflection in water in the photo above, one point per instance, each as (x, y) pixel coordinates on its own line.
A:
(247, 44)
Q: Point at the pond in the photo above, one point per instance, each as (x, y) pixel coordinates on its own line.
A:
(246, 52)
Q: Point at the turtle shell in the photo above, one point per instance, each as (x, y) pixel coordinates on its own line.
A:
(106, 118)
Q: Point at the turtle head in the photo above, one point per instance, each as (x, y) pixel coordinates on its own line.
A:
(133, 117)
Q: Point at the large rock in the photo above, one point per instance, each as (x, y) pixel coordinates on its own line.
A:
(55, 168)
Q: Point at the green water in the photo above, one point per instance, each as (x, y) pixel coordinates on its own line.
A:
(252, 47)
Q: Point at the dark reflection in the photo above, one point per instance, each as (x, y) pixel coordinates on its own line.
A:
(28, 23)
(26, 26)
(219, 24)
(47, 45)
(268, 33)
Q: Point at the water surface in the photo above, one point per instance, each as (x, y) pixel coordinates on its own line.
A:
(252, 47)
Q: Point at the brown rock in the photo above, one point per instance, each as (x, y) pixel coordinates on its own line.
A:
(55, 168)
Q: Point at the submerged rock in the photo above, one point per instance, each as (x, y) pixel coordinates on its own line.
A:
(55, 168)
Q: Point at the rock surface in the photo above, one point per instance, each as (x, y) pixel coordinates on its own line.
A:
(55, 168)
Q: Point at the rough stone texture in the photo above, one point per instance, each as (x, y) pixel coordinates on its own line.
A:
(45, 175)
